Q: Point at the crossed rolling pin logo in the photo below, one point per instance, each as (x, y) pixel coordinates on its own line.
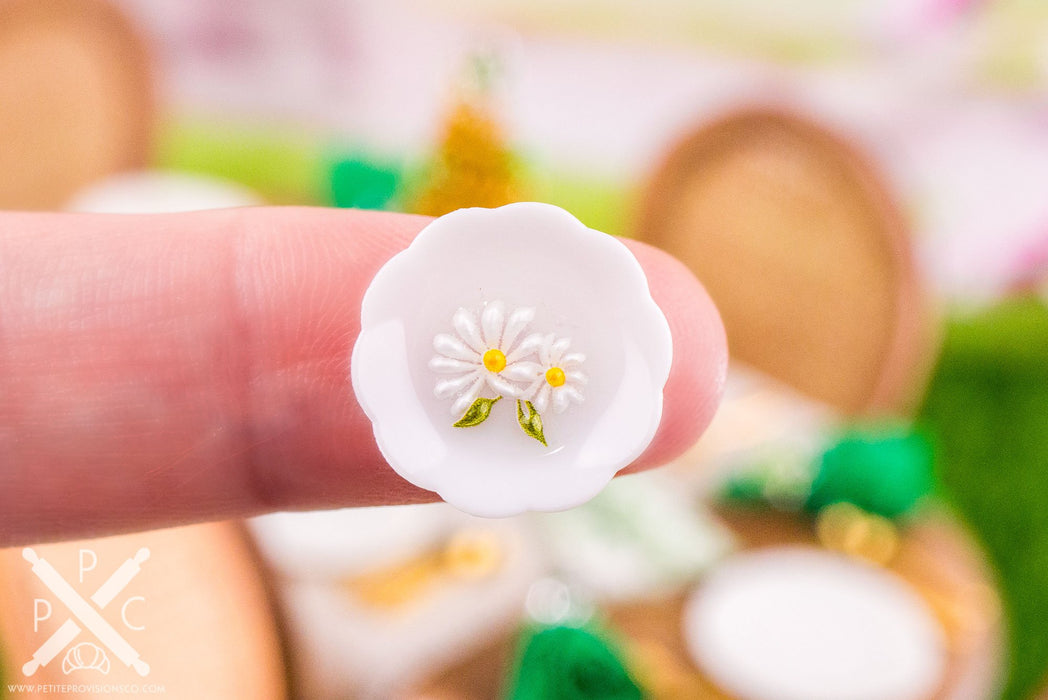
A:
(84, 613)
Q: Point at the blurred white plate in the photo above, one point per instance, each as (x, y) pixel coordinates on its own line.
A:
(795, 623)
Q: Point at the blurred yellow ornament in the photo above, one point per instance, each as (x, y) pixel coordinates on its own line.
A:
(473, 554)
(397, 585)
(846, 528)
(473, 166)
(467, 554)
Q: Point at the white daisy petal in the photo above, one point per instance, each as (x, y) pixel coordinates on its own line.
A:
(503, 386)
(573, 394)
(560, 400)
(450, 346)
(572, 359)
(528, 346)
(446, 388)
(529, 393)
(466, 325)
(448, 365)
(541, 400)
(522, 377)
(557, 350)
(492, 321)
(466, 400)
(515, 325)
(522, 371)
(542, 349)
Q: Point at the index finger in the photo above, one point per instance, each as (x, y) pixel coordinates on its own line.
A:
(164, 369)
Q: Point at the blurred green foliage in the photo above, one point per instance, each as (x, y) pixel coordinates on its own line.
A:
(882, 468)
(987, 411)
(282, 165)
(602, 203)
(884, 471)
(361, 183)
(570, 663)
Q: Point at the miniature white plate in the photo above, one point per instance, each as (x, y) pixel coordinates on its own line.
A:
(491, 317)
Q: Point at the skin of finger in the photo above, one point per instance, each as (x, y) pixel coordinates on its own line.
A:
(700, 356)
(165, 369)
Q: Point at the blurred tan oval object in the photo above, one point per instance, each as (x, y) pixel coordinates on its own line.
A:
(76, 99)
(803, 250)
(191, 603)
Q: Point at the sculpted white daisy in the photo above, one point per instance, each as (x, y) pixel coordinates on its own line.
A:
(489, 357)
(488, 364)
(473, 319)
(560, 379)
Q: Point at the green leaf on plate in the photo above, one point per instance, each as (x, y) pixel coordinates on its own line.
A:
(477, 413)
(530, 423)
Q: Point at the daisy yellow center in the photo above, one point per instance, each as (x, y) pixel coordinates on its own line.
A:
(495, 360)
(555, 376)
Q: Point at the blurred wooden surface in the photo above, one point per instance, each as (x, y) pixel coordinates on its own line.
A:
(210, 625)
(804, 251)
(76, 99)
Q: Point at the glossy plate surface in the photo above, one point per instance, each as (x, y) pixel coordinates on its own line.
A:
(491, 317)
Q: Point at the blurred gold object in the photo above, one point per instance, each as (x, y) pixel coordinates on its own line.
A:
(473, 554)
(467, 554)
(397, 585)
(846, 528)
(473, 166)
